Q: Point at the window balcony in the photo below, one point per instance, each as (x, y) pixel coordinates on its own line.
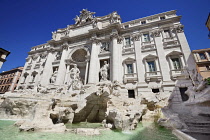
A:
(128, 49)
(179, 73)
(130, 78)
(56, 62)
(37, 66)
(28, 67)
(170, 42)
(148, 46)
(153, 76)
(169, 39)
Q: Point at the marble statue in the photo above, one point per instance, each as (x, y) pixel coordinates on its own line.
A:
(77, 20)
(75, 82)
(85, 16)
(104, 71)
(116, 88)
(58, 56)
(41, 89)
(54, 35)
(54, 76)
(74, 72)
(115, 17)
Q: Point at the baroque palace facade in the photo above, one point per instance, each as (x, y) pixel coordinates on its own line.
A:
(144, 55)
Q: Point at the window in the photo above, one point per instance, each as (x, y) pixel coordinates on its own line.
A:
(151, 65)
(207, 67)
(129, 68)
(131, 94)
(146, 37)
(126, 26)
(183, 95)
(176, 63)
(33, 77)
(143, 22)
(155, 90)
(7, 89)
(162, 18)
(167, 33)
(127, 41)
(25, 76)
(104, 46)
(202, 56)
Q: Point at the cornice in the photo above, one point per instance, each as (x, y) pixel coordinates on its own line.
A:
(151, 24)
(151, 16)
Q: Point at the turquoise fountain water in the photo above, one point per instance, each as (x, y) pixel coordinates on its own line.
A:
(153, 132)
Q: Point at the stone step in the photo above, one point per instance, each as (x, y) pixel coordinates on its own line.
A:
(198, 124)
(207, 132)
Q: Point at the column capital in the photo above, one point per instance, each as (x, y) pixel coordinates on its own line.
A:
(95, 40)
(156, 33)
(51, 50)
(178, 28)
(65, 45)
(135, 37)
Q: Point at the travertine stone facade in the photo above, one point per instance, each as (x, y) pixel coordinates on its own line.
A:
(9, 79)
(202, 59)
(145, 55)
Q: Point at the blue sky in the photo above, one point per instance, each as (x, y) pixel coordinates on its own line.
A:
(27, 23)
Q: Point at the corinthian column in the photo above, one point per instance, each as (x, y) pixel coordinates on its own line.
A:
(47, 71)
(116, 62)
(94, 63)
(62, 67)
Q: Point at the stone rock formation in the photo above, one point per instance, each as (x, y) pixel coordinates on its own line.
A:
(105, 102)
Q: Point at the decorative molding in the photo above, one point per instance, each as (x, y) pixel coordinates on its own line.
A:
(135, 37)
(119, 39)
(156, 33)
(65, 45)
(113, 35)
(43, 55)
(95, 40)
(179, 28)
(51, 50)
(35, 56)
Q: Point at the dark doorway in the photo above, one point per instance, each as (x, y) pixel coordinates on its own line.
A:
(155, 90)
(183, 95)
(131, 94)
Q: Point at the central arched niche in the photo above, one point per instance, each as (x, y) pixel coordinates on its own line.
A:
(79, 55)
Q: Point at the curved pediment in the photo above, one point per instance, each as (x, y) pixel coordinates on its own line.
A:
(150, 56)
(129, 59)
(174, 53)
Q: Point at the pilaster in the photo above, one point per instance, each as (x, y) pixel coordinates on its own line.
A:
(47, 69)
(164, 67)
(62, 67)
(139, 63)
(185, 48)
(94, 62)
(116, 59)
